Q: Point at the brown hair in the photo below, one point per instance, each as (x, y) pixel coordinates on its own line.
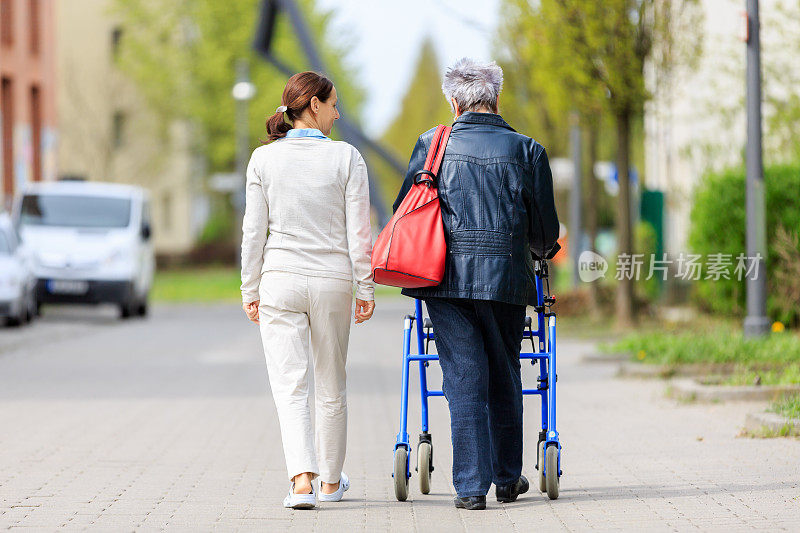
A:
(297, 95)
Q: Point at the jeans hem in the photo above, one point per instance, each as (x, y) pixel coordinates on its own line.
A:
(506, 483)
(471, 494)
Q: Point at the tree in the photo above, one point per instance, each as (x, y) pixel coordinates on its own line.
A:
(422, 107)
(596, 53)
(528, 100)
(182, 55)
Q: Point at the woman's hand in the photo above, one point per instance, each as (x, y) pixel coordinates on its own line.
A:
(364, 310)
(251, 310)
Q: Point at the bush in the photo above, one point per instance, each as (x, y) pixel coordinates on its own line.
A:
(717, 225)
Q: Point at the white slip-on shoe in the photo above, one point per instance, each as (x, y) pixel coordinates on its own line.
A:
(344, 484)
(300, 501)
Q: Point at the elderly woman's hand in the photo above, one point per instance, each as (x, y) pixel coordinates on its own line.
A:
(251, 310)
(364, 310)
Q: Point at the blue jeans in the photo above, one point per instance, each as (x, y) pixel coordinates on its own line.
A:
(479, 343)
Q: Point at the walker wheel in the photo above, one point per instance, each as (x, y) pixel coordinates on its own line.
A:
(424, 459)
(552, 481)
(401, 474)
(540, 463)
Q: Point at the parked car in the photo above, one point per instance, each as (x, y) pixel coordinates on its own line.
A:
(17, 283)
(91, 243)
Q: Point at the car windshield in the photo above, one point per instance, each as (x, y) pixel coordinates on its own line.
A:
(75, 211)
(5, 246)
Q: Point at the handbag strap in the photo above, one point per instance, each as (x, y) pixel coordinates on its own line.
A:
(436, 151)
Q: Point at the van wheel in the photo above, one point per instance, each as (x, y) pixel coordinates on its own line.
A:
(142, 308)
(125, 310)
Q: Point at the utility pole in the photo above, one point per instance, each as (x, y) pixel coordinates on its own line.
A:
(575, 198)
(243, 90)
(756, 323)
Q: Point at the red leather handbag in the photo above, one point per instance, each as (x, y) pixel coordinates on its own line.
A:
(410, 251)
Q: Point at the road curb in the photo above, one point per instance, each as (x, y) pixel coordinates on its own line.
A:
(771, 424)
(646, 370)
(691, 390)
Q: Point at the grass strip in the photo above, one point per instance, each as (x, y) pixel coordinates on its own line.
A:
(721, 345)
(211, 284)
(789, 407)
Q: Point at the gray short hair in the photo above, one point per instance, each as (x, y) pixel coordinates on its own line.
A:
(472, 84)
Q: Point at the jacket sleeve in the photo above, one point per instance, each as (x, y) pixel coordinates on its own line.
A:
(542, 216)
(359, 232)
(414, 165)
(255, 226)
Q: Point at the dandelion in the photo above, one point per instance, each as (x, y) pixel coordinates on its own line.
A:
(777, 327)
(640, 356)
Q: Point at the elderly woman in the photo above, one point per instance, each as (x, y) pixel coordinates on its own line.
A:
(306, 240)
(496, 195)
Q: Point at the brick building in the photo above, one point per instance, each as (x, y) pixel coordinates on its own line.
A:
(28, 97)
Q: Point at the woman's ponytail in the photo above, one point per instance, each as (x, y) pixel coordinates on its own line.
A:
(277, 127)
(297, 95)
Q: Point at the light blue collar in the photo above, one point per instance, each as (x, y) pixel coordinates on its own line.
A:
(305, 132)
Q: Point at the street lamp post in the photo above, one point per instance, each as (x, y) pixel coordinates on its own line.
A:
(243, 91)
(756, 323)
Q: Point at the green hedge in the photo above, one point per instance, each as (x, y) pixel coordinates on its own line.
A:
(717, 225)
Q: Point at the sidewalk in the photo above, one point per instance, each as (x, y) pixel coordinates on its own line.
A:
(168, 423)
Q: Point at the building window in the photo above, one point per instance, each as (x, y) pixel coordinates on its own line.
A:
(118, 129)
(33, 19)
(36, 131)
(7, 112)
(116, 40)
(6, 21)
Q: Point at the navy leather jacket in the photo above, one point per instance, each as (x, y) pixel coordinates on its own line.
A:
(496, 196)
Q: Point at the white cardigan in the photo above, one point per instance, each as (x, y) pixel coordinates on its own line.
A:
(307, 211)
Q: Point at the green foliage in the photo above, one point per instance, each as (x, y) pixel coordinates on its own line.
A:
(717, 225)
(721, 345)
(532, 100)
(423, 107)
(744, 375)
(219, 226)
(789, 407)
(182, 55)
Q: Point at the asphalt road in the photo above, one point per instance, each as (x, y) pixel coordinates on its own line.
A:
(167, 423)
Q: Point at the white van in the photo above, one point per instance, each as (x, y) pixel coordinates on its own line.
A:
(90, 243)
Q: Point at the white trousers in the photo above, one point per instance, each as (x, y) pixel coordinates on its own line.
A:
(305, 323)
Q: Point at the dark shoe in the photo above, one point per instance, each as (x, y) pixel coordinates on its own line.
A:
(470, 503)
(509, 493)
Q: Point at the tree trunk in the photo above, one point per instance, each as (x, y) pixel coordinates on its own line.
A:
(625, 317)
(591, 208)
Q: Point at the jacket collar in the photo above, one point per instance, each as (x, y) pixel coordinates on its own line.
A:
(492, 119)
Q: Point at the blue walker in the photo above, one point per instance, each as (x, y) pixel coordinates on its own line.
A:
(548, 459)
